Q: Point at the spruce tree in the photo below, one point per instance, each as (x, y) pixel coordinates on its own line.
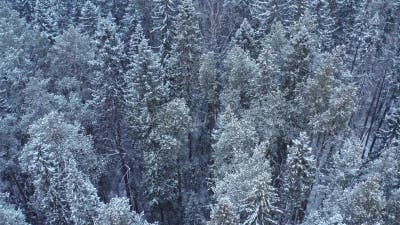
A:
(109, 104)
(45, 18)
(9, 214)
(245, 38)
(298, 179)
(59, 158)
(89, 18)
(183, 78)
(165, 12)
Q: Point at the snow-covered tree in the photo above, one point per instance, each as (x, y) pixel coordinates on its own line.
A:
(298, 179)
(109, 102)
(364, 203)
(240, 70)
(298, 64)
(265, 12)
(129, 22)
(248, 187)
(341, 172)
(45, 18)
(117, 211)
(232, 135)
(321, 11)
(223, 214)
(245, 38)
(165, 12)
(164, 160)
(184, 66)
(327, 99)
(9, 215)
(292, 10)
(70, 68)
(146, 93)
(60, 159)
(89, 18)
(208, 86)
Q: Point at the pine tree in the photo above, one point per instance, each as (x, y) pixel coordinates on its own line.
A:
(298, 65)
(232, 135)
(298, 179)
(57, 156)
(67, 13)
(245, 38)
(208, 86)
(248, 187)
(164, 161)
(223, 214)
(364, 203)
(109, 102)
(292, 11)
(89, 18)
(268, 77)
(117, 211)
(240, 70)
(340, 172)
(326, 94)
(265, 12)
(129, 23)
(166, 26)
(9, 215)
(146, 92)
(45, 18)
(70, 68)
(234, 13)
(187, 52)
(321, 11)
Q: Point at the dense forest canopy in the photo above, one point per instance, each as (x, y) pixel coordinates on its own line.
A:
(192, 112)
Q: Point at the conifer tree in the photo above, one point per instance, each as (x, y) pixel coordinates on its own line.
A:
(59, 157)
(223, 214)
(165, 12)
(187, 52)
(164, 161)
(208, 85)
(109, 104)
(89, 18)
(245, 38)
(298, 179)
(240, 70)
(298, 65)
(117, 211)
(45, 18)
(9, 215)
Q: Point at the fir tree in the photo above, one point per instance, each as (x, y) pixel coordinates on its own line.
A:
(187, 52)
(166, 27)
(208, 86)
(9, 215)
(109, 102)
(245, 38)
(57, 157)
(164, 160)
(240, 70)
(89, 18)
(45, 18)
(298, 179)
(117, 211)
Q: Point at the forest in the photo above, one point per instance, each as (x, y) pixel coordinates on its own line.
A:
(199, 112)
